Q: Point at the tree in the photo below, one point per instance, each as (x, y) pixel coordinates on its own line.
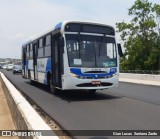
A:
(141, 37)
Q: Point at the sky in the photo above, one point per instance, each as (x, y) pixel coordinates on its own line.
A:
(22, 20)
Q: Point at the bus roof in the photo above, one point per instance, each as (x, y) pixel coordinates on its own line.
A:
(60, 26)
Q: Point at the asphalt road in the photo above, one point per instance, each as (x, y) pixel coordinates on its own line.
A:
(128, 107)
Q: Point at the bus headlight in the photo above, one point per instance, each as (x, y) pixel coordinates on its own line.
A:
(77, 76)
(110, 76)
(114, 74)
(73, 75)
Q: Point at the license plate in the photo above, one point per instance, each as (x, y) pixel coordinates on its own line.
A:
(96, 82)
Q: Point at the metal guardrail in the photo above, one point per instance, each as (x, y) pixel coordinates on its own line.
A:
(141, 71)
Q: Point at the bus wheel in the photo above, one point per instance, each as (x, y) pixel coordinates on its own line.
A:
(52, 88)
(92, 92)
(29, 78)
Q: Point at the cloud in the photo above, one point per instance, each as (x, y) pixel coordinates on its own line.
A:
(20, 20)
(17, 36)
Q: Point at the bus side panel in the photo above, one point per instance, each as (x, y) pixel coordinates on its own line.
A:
(23, 67)
(48, 70)
(30, 68)
(26, 69)
(43, 67)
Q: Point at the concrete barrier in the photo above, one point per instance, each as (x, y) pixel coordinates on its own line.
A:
(24, 116)
(148, 77)
(140, 78)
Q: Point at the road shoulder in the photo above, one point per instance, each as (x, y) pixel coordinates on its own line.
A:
(6, 121)
(144, 82)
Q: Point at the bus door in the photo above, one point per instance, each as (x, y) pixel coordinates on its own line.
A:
(35, 60)
(57, 62)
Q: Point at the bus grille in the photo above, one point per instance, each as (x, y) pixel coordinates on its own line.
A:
(90, 77)
(94, 85)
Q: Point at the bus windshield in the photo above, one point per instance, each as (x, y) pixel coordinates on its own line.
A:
(91, 51)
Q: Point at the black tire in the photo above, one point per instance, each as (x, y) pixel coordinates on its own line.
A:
(22, 75)
(52, 89)
(29, 78)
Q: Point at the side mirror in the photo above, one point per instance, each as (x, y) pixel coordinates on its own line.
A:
(120, 50)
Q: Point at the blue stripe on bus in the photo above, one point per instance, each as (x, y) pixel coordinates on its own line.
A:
(78, 72)
(48, 66)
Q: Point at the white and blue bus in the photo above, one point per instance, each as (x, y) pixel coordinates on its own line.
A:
(72, 56)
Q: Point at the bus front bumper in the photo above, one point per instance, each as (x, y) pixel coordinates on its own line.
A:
(74, 83)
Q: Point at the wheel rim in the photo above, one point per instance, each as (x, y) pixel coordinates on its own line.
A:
(29, 77)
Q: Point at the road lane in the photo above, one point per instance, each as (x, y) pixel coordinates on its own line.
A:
(107, 110)
(147, 93)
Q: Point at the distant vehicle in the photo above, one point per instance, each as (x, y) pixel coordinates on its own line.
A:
(10, 67)
(17, 69)
(71, 57)
(1, 65)
(4, 67)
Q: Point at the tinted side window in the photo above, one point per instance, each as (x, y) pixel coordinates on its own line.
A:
(27, 48)
(47, 48)
(31, 47)
(47, 51)
(31, 54)
(48, 40)
(27, 54)
(40, 52)
(40, 43)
